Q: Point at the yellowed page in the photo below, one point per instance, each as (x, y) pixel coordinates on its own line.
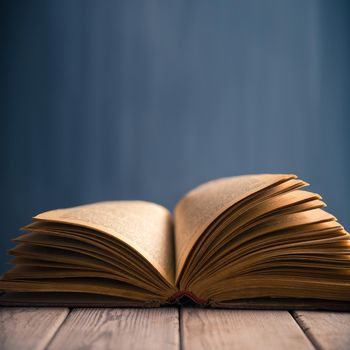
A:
(144, 226)
(201, 206)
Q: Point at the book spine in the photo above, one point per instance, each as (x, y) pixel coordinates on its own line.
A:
(176, 298)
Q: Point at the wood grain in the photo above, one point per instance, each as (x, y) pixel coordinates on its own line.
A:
(38, 328)
(29, 328)
(326, 330)
(241, 329)
(99, 328)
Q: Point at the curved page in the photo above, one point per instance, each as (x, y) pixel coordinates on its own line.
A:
(201, 206)
(144, 226)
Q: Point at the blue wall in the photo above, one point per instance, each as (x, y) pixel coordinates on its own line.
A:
(146, 99)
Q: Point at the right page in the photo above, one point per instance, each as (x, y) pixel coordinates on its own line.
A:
(199, 207)
(259, 236)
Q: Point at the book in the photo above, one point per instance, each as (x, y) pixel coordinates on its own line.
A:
(252, 241)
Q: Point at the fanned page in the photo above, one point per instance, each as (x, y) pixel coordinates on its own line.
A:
(144, 226)
(201, 206)
(113, 252)
(260, 240)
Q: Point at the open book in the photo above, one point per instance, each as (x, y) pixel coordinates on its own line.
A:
(247, 241)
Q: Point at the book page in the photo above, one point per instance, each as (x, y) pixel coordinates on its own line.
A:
(201, 206)
(146, 227)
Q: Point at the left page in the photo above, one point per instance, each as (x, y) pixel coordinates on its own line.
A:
(144, 226)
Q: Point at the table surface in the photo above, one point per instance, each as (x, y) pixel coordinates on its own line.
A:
(171, 328)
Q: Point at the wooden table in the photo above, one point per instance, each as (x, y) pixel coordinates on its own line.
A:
(171, 328)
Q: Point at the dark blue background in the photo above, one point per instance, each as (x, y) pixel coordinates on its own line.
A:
(146, 99)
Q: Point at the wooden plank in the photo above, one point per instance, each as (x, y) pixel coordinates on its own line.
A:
(29, 328)
(240, 329)
(119, 328)
(326, 330)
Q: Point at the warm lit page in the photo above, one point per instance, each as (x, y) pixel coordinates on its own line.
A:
(198, 208)
(144, 226)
